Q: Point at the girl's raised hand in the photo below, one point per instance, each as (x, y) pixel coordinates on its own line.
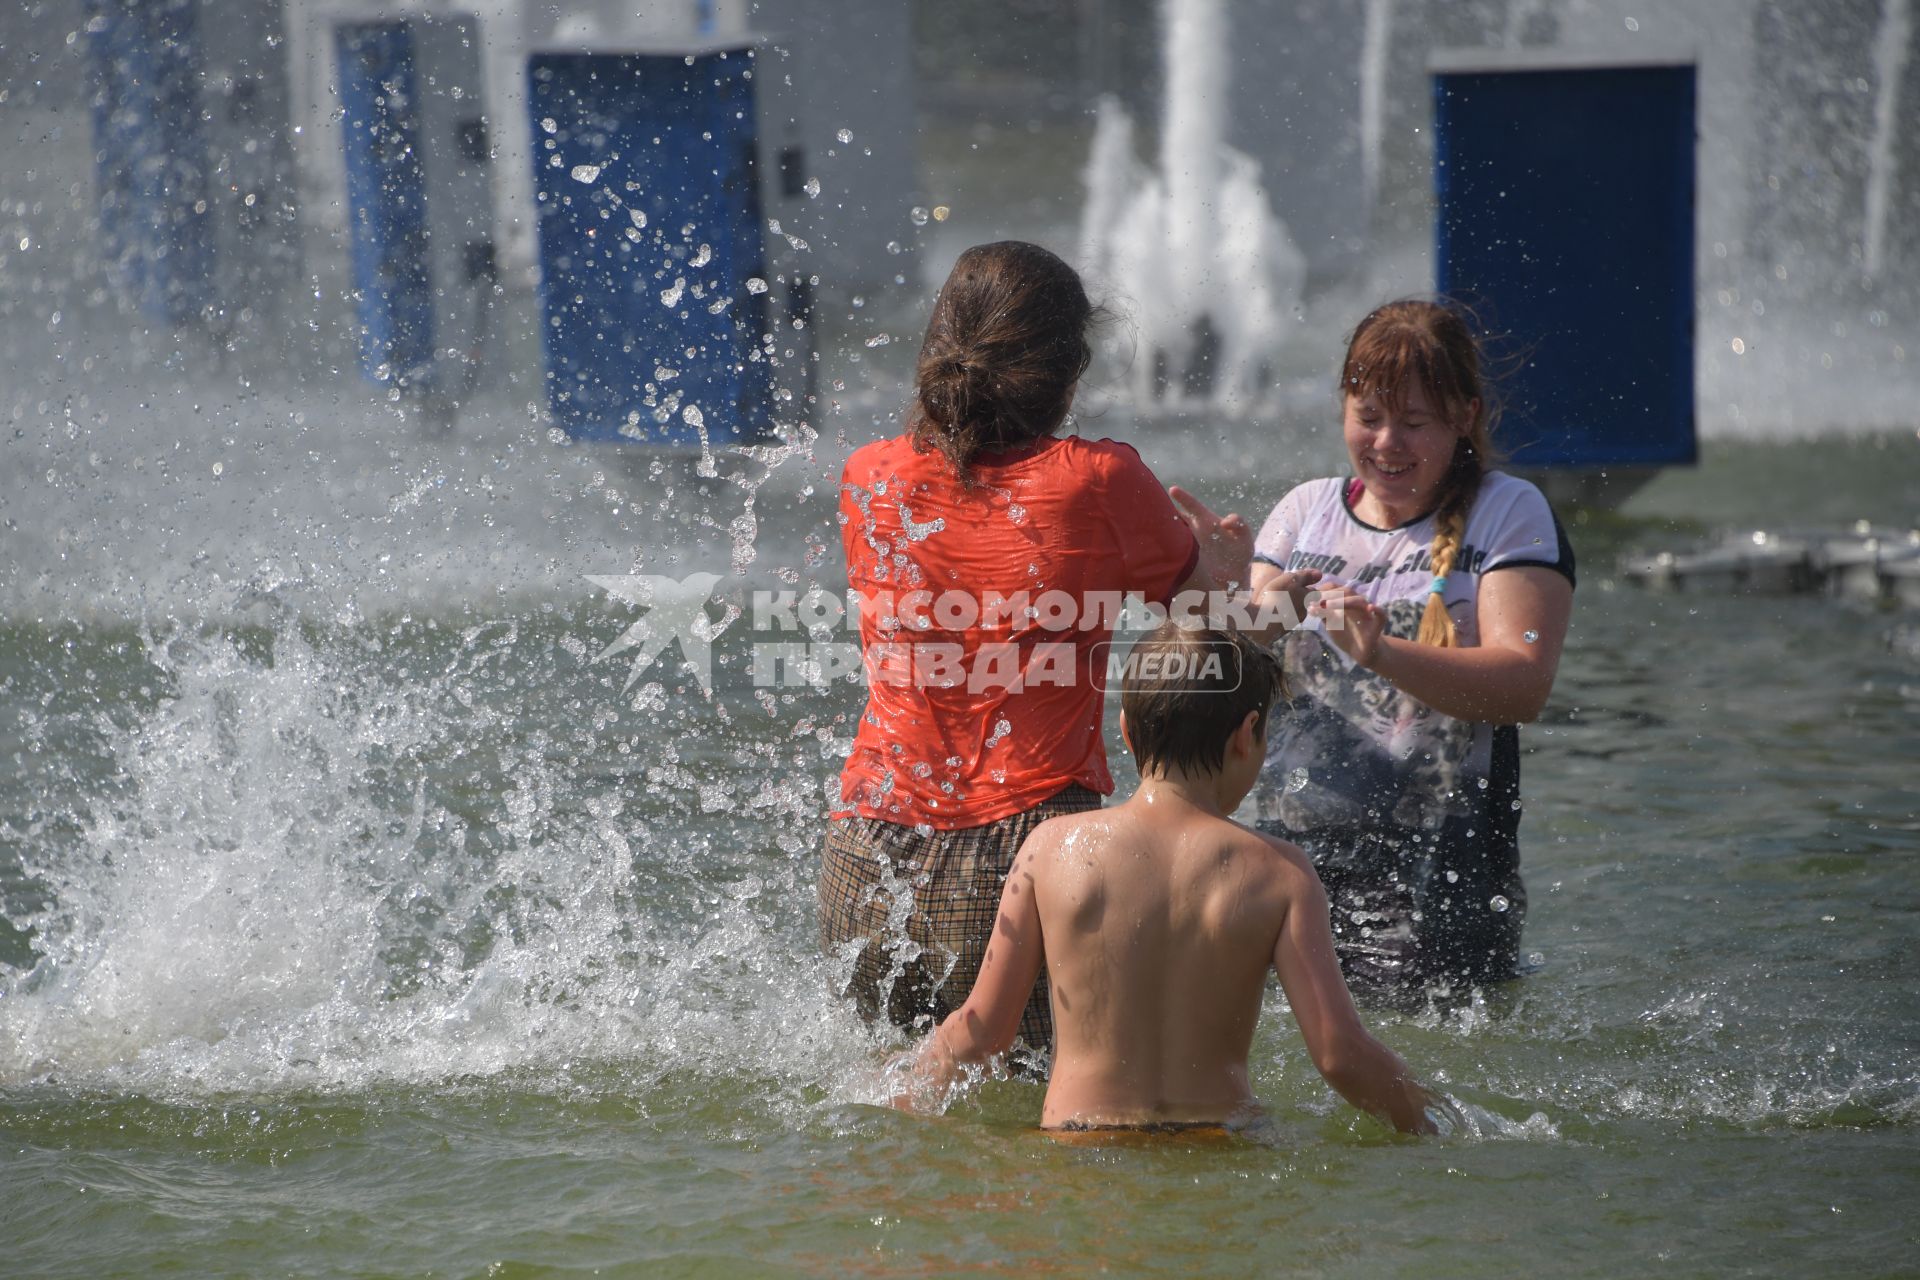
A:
(1226, 542)
(1286, 592)
(1353, 625)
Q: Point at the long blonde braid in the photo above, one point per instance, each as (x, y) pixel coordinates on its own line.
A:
(1462, 485)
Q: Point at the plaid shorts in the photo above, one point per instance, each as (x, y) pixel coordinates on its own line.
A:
(921, 952)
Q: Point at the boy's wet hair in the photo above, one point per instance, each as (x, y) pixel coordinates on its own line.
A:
(1181, 708)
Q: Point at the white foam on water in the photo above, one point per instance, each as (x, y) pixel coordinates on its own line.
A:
(1701, 1053)
(281, 894)
(1482, 1124)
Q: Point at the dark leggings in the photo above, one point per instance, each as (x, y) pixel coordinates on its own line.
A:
(1447, 918)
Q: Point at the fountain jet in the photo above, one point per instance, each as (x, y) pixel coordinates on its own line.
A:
(1890, 52)
(1193, 243)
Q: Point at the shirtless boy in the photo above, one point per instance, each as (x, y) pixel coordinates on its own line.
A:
(1159, 919)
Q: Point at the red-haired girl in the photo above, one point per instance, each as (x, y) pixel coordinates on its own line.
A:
(1444, 598)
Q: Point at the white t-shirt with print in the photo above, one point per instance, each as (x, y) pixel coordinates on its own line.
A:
(1357, 770)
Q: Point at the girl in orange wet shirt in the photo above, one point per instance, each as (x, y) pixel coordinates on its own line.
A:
(987, 553)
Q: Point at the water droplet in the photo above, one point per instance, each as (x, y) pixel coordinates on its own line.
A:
(693, 417)
(812, 187)
(219, 467)
(1531, 637)
(878, 340)
(671, 297)
(845, 135)
(893, 246)
(756, 285)
(917, 216)
(1481, 783)
(586, 173)
(1453, 877)
(940, 213)
(1498, 903)
(549, 125)
(702, 256)
(1297, 780)
(919, 530)
(1516, 806)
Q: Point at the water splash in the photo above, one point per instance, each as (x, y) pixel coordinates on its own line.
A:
(1195, 243)
(331, 859)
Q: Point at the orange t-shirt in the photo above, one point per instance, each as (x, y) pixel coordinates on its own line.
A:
(980, 613)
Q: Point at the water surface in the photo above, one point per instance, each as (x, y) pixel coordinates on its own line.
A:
(359, 921)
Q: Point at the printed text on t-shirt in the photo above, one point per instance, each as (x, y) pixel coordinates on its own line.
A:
(1469, 560)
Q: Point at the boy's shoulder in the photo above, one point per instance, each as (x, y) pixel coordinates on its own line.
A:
(1278, 870)
(1062, 828)
(1286, 861)
(1269, 877)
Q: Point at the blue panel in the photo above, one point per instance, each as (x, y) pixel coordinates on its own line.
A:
(151, 154)
(386, 201)
(650, 228)
(1566, 219)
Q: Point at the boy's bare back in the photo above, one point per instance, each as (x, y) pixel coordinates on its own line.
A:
(1158, 921)
(1160, 928)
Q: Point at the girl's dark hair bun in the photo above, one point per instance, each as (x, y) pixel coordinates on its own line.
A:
(1005, 346)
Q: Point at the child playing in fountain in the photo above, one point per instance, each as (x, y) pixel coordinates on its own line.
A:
(1159, 919)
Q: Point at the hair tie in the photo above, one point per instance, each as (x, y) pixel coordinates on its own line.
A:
(1439, 585)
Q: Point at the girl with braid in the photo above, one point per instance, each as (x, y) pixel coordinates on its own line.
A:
(1443, 602)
